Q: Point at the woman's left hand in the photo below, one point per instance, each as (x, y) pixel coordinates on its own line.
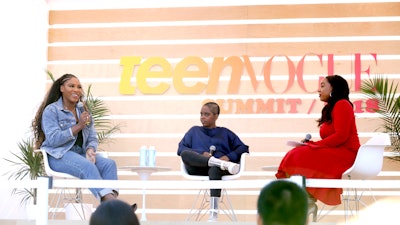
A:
(225, 158)
(91, 155)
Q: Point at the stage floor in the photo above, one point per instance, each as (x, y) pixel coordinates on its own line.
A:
(77, 222)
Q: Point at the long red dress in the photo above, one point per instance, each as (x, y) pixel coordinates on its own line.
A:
(327, 158)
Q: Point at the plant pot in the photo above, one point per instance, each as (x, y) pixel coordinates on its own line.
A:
(78, 211)
(31, 211)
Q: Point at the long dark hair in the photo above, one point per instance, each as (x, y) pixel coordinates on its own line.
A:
(52, 96)
(340, 90)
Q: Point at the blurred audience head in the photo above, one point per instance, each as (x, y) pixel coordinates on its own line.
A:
(114, 212)
(282, 202)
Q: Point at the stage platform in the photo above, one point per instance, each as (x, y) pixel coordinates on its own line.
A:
(77, 222)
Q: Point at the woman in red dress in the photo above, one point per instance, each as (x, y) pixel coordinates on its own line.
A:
(329, 157)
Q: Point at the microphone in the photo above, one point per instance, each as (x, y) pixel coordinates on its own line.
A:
(80, 107)
(80, 104)
(212, 149)
(307, 138)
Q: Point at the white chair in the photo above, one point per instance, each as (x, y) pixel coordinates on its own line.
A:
(368, 164)
(225, 203)
(63, 194)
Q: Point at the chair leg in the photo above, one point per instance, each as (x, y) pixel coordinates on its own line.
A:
(321, 212)
(346, 203)
(79, 209)
(314, 211)
(228, 206)
(351, 195)
(63, 196)
(78, 195)
(77, 198)
(203, 209)
(312, 208)
(197, 213)
(59, 194)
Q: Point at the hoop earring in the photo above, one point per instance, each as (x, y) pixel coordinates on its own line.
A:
(330, 94)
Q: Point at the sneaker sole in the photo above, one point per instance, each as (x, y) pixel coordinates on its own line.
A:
(234, 170)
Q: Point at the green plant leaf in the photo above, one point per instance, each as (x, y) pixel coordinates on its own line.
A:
(28, 164)
(99, 111)
(384, 92)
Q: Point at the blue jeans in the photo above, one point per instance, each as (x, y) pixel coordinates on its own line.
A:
(74, 162)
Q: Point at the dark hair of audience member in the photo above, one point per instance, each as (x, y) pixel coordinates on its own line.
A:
(114, 212)
(282, 203)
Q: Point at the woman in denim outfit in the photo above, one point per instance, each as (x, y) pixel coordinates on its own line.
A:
(64, 128)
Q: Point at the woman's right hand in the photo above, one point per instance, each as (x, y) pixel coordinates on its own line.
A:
(84, 119)
(207, 154)
(225, 158)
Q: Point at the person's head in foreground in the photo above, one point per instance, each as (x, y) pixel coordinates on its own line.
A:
(282, 202)
(114, 212)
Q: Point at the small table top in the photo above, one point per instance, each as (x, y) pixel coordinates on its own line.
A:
(270, 168)
(145, 171)
(150, 169)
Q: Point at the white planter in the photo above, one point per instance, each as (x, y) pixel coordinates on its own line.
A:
(78, 211)
(31, 211)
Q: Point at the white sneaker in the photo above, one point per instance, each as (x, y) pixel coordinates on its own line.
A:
(233, 168)
(213, 216)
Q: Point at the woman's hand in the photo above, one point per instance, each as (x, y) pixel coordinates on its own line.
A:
(84, 119)
(91, 155)
(225, 158)
(207, 154)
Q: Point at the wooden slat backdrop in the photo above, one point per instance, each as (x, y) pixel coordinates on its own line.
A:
(90, 43)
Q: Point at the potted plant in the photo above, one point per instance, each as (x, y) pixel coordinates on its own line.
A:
(99, 111)
(27, 164)
(384, 93)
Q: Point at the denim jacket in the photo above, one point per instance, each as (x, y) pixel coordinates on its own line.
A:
(56, 125)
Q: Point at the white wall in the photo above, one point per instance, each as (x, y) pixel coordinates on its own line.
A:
(23, 56)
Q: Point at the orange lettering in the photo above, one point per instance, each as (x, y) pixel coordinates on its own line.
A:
(199, 68)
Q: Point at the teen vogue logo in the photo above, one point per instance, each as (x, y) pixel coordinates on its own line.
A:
(144, 70)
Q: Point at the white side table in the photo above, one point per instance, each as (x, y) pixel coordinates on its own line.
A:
(270, 168)
(144, 173)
